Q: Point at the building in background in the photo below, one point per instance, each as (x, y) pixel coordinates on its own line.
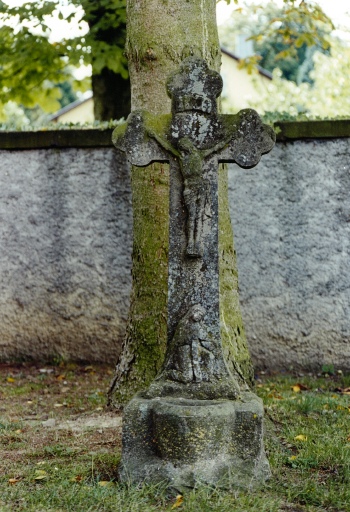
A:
(80, 111)
(240, 87)
(239, 90)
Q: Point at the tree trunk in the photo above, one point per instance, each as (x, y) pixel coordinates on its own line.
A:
(111, 94)
(111, 89)
(160, 33)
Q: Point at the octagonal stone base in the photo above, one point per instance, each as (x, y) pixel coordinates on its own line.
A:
(184, 442)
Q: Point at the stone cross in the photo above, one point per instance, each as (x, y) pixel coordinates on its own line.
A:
(194, 139)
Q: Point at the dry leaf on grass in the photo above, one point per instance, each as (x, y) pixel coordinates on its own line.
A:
(13, 481)
(77, 478)
(40, 474)
(299, 387)
(275, 395)
(178, 502)
(300, 437)
(343, 391)
(105, 483)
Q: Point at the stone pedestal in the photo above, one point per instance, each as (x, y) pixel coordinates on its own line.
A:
(182, 441)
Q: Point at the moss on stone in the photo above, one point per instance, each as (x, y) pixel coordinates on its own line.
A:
(233, 336)
(312, 129)
(145, 342)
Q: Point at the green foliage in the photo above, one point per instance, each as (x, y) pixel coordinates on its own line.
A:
(32, 65)
(327, 97)
(284, 37)
(68, 94)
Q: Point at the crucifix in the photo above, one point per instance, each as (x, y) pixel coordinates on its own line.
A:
(194, 139)
(194, 411)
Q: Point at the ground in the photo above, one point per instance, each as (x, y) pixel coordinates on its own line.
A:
(60, 447)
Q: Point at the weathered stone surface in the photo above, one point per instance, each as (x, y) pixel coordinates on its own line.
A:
(65, 236)
(163, 435)
(183, 441)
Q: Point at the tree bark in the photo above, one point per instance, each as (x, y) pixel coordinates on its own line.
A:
(111, 93)
(159, 34)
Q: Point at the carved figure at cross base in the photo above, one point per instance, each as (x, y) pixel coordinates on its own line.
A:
(196, 406)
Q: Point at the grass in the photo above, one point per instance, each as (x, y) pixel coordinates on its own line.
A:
(71, 463)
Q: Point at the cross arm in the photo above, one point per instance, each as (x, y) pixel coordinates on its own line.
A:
(141, 137)
(247, 138)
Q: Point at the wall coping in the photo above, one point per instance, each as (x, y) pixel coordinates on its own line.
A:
(70, 138)
(325, 129)
(86, 138)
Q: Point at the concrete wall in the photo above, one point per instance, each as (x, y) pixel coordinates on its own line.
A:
(65, 237)
(291, 219)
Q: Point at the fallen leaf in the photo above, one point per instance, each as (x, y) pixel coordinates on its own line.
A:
(13, 481)
(178, 502)
(60, 377)
(299, 387)
(105, 483)
(58, 405)
(345, 391)
(40, 474)
(275, 395)
(10, 379)
(300, 437)
(77, 478)
(19, 431)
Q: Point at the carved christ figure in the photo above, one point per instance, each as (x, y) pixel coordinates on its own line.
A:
(194, 186)
(195, 193)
